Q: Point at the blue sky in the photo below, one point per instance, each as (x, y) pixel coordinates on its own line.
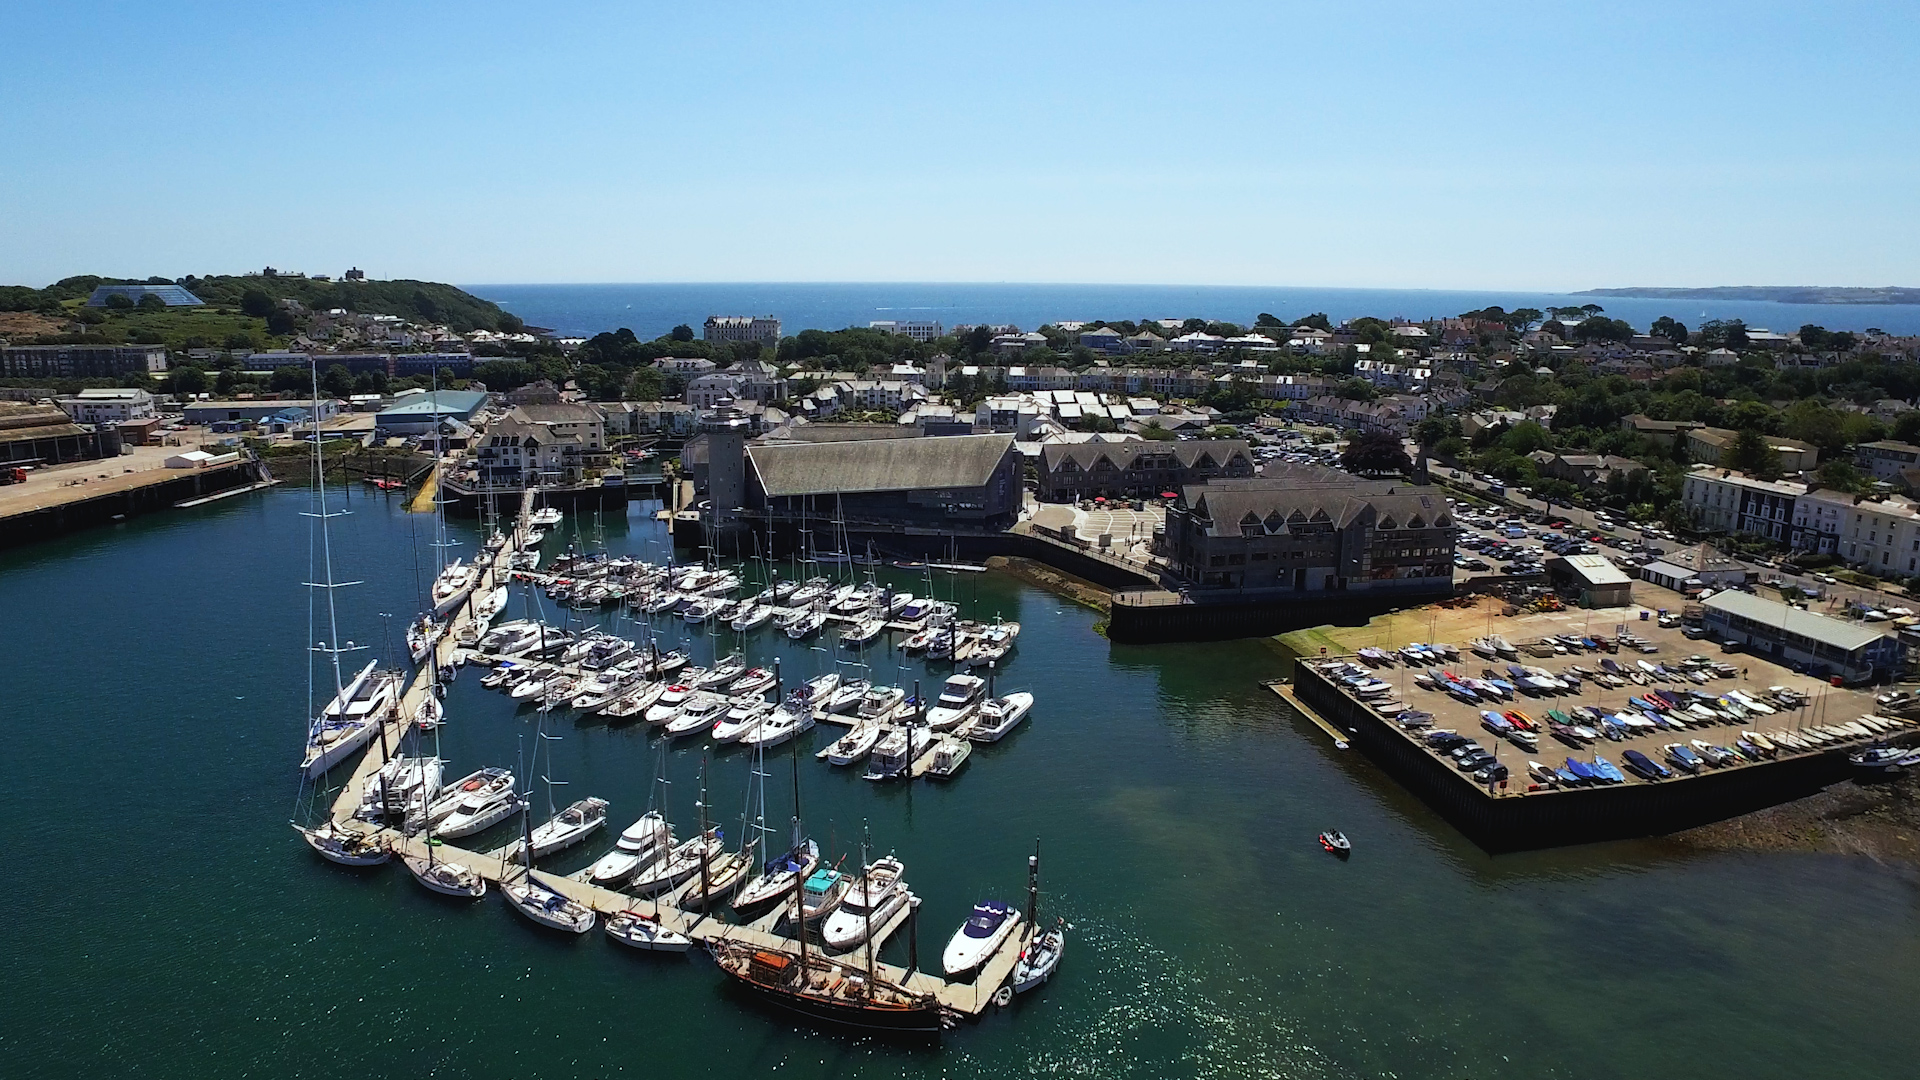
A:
(1457, 145)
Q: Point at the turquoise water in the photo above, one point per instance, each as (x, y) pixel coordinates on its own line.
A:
(652, 309)
(163, 921)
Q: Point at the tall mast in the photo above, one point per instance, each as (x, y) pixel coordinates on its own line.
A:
(866, 898)
(705, 882)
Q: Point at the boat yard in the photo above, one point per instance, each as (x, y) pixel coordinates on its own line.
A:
(1603, 722)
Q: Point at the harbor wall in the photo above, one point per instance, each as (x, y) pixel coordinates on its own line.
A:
(1542, 819)
(84, 510)
(1154, 617)
(585, 497)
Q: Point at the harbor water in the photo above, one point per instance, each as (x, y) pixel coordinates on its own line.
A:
(163, 920)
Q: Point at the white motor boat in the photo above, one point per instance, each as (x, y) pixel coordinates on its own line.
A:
(481, 807)
(676, 695)
(854, 745)
(400, 783)
(991, 923)
(959, 697)
(569, 826)
(893, 756)
(640, 844)
(642, 930)
(784, 723)
(742, 720)
(701, 712)
(879, 703)
(1000, 715)
(547, 906)
(545, 517)
(871, 902)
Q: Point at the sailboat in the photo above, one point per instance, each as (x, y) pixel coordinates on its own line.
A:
(781, 874)
(540, 901)
(345, 846)
(445, 878)
(720, 870)
(1043, 949)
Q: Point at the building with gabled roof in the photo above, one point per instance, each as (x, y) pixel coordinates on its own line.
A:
(887, 482)
(1311, 530)
(1141, 469)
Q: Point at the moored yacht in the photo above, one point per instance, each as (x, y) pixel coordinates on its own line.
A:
(871, 902)
(349, 720)
(979, 937)
(959, 697)
(998, 716)
(639, 845)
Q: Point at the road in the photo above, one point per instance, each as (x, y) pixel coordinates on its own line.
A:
(1835, 597)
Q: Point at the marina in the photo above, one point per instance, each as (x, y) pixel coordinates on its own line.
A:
(1178, 800)
(669, 904)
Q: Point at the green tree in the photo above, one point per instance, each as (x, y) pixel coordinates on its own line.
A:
(1906, 426)
(1434, 430)
(118, 302)
(1357, 390)
(1752, 454)
(337, 381)
(1153, 431)
(1373, 452)
(1318, 321)
(187, 379)
(1841, 475)
(287, 380)
(150, 302)
(1666, 327)
(280, 321)
(683, 332)
(256, 302)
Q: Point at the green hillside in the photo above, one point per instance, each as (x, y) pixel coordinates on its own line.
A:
(417, 301)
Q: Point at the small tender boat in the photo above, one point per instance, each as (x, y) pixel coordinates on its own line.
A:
(979, 937)
(949, 756)
(1336, 842)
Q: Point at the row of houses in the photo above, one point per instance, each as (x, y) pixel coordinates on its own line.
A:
(1880, 534)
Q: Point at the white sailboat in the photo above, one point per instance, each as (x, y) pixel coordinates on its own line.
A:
(1043, 948)
(350, 719)
(347, 847)
(854, 745)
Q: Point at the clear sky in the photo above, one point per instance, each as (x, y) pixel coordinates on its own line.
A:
(1357, 143)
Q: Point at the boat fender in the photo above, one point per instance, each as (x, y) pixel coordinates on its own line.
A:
(1003, 997)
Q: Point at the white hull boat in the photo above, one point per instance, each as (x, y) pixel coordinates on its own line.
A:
(979, 937)
(640, 844)
(854, 745)
(877, 897)
(999, 716)
(640, 930)
(445, 878)
(548, 906)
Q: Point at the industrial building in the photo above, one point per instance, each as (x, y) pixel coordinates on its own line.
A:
(170, 295)
(1600, 583)
(42, 434)
(214, 412)
(935, 481)
(421, 413)
(112, 405)
(81, 361)
(1820, 645)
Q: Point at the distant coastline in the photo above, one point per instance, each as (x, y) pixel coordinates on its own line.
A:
(1779, 294)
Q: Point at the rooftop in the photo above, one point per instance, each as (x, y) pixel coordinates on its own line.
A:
(1841, 635)
(437, 403)
(883, 464)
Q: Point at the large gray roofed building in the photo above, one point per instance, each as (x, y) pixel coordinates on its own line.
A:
(958, 461)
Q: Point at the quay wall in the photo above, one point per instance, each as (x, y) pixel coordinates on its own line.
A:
(461, 503)
(85, 510)
(1154, 617)
(1543, 819)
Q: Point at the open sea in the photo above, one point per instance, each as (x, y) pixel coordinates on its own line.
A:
(652, 310)
(162, 921)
